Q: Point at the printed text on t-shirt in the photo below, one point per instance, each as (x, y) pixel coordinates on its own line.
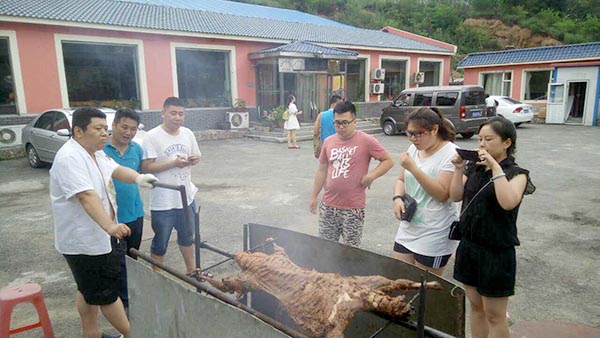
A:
(341, 161)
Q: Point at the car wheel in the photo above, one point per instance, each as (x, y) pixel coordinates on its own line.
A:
(517, 124)
(467, 135)
(389, 128)
(33, 158)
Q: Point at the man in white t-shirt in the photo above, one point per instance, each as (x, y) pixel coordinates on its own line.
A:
(170, 151)
(83, 203)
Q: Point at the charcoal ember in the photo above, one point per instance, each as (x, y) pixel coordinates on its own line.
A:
(321, 304)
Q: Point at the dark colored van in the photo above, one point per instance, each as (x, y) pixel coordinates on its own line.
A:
(463, 106)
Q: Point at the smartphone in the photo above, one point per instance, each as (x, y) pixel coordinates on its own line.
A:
(469, 155)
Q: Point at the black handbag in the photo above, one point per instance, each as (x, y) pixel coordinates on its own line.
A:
(455, 233)
(410, 207)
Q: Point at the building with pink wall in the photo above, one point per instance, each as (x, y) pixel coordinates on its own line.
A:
(563, 82)
(117, 53)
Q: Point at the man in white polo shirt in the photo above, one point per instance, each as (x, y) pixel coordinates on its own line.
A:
(83, 203)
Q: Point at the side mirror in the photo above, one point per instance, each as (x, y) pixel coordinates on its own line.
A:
(141, 126)
(63, 132)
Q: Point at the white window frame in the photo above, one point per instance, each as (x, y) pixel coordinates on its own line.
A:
(141, 63)
(442, 67)
(510, 86)
(15, 63)
(211, 48)
(524, 79)
(397, 58)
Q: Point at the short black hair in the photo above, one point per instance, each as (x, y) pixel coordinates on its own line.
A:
(82, 117)
(126, 113)
(505, 129)
(345, 106)
(335, 99)
(173, 101)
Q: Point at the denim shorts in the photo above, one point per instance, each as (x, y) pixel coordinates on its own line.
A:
(163, 222)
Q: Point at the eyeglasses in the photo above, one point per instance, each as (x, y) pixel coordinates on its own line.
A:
(343, 123)
(416, 134)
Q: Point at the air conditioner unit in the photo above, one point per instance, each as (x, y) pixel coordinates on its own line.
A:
(419, 78)
(10, 136)
(238, 120)
(377, 88)
(377, 74)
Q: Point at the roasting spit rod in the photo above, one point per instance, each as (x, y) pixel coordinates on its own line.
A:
(268, 241)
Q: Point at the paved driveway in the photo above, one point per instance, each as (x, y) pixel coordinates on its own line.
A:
(244, 181)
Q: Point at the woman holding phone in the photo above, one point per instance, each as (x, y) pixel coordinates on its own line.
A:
(425, 176)
(485, 259)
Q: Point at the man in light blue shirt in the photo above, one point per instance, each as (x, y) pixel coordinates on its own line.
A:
(324, 127)
(130, 209)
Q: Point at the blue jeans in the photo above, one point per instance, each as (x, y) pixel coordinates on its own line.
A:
(163, 222)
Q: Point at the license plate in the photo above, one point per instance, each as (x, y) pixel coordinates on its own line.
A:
(526, 111)
(476, 113)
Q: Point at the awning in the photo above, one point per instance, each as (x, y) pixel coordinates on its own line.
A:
(303, 49)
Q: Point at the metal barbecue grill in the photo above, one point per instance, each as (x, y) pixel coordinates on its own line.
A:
(164, 307)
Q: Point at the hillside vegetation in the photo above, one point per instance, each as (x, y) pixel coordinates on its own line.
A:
(472, 25)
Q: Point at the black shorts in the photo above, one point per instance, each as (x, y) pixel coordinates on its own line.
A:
(435, 262)
(97, 277)
(491, 271)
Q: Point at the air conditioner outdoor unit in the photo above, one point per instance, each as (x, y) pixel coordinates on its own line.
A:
(10, 136)
(419, 78)
(377, 88)
(238, 120)
(377, 74)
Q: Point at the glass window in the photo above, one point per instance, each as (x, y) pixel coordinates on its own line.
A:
(203, 77)
(101, 74)
(61, 122)
(395, 78)
(536, 84)
(446, 99)
(432, 72)
(45, 121)
(474, 98)
(355, 79)
(7, 89)
(423, 99)
(497, 83)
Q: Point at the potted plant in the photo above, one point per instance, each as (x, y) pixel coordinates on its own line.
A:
(239, 106)
(276, 116)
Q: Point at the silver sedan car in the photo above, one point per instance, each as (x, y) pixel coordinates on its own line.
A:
(43, 136)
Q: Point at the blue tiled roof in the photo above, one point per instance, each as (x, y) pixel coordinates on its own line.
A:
(582, 51)
(303, 47)
(165, 18)
(238, 8)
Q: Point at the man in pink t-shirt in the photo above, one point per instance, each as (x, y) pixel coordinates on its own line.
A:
(344, 172)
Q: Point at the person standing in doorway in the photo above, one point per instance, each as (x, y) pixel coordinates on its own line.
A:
(121, 148)
(344, 173)
(83, 204)
(324, 126)
(292, 124)
(170, 151)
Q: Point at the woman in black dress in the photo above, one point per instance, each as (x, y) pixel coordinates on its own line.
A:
(485, 259)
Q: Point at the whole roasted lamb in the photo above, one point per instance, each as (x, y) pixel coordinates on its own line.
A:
(321, 304)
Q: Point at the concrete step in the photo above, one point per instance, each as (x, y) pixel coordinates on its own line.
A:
(279, 135)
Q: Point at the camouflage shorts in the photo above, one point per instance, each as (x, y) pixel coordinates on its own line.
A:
(336, 222)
